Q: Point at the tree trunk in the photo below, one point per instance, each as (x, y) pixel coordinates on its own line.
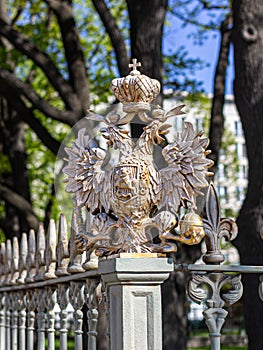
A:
(248, 88)
(115, 35)
(146, 33)
(217, 117)
(16, 221)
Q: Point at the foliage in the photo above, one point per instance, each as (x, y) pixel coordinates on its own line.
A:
(177, 68)
(202, 15)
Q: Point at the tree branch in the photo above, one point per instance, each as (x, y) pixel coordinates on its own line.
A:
(52, 144)
(21, 204)
(73, 50)
(43, 61)
(27, 115)
(115, 36)
(22, 89)
(207, 5)
(217, 117)
(191, 20)
(19, 11)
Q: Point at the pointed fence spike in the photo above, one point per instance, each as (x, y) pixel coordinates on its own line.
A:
(76, 259)
(62, 250)
(50, 252)
(15, 260)
(40, 254)
(8, 262)
(22, 259)
(31, 257)
(2, 262)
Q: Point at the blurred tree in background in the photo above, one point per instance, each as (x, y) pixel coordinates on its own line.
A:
(248, 90)
(57, 58)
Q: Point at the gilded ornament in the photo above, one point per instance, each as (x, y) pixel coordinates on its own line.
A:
(133, 206)
(191, 229)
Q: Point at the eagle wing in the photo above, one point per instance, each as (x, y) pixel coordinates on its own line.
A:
(85, 177)
(186, 172)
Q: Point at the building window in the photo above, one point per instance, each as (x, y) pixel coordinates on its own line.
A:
(222, 171)
(240, 193)
(242, 171)
(222, 191)
(241, 150)
(244, 150)
(238, 129)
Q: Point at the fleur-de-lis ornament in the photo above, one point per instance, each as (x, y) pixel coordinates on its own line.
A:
(216, 228)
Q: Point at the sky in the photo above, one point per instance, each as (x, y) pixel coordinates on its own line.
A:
(207, 52)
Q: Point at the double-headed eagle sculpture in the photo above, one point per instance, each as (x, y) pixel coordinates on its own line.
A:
(134, 207)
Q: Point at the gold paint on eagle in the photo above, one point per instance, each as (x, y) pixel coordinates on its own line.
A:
(133, 207)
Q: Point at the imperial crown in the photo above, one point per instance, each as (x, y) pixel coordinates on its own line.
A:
(135, 90)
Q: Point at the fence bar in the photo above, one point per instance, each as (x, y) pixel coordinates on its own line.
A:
(22, 329)
(76, 296)
(41, 330)
(214, 319)
(50, 302)
(41, 318)
(218, 268)
(93, 286)
(30, 330)
(63, 300)
(7, 322)
(2, 322)
(7, 330)
(30, 301)
(51, 330)
(14, 329)
(92, 333)
(63, 329)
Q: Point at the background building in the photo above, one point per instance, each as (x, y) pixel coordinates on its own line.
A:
(231, 178)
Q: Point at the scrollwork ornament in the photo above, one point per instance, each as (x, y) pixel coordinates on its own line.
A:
(216, 228)
(8, 301)
(63, 300)
(41, 297)
(15, 301)
(93, 296)
(21, 300)
(63, 296)
(31, 300)
(93, 292)
(214, 319)
(51, 297)
(76, 294)
(215, 289)
(76, 297)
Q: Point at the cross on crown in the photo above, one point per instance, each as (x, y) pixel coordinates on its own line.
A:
(134, 65)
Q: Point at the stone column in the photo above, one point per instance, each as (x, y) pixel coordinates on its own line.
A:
(134, 296)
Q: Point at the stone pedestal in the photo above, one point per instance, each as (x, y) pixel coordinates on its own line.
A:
(134, 297)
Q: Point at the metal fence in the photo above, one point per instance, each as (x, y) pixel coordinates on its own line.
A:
(39, 276)
(44, 274)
